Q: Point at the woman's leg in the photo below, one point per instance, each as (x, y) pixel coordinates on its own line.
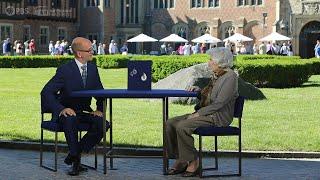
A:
(171, 136)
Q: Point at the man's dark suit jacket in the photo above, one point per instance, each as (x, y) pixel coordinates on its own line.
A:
(66, 80)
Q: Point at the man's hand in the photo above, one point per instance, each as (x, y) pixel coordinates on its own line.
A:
(97, 113)
(193, 89)
(193, 115)
(67, 112)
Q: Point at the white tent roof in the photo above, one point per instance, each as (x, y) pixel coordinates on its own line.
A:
(206, 38)
(173, 38)
(142, 38)
(275, 37)
(238, 37)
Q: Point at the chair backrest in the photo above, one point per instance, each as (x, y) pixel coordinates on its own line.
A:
(238, 107)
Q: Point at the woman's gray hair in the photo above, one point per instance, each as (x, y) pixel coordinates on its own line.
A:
(222, 56)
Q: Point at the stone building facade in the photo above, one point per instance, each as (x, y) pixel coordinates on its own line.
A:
(122, 19)
(42, 20)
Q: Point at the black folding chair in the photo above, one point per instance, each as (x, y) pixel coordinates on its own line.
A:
(54, 126)
(221, 131)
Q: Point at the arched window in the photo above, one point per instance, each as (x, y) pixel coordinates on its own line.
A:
(181, 29)
(229, 31)
(202, 29)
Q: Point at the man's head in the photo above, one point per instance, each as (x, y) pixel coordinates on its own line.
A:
(82, 49)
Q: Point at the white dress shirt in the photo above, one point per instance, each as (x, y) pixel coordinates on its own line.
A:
(79, 64)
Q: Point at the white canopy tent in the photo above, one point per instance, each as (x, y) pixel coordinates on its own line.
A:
(206, 38)
(173, 38)
(238, 37)
(275, 37)
(142, 38)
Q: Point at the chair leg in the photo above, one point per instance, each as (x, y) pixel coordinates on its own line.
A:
(200, 156)
(56, 152)
(240, 155)
(41, 146)
(216, 151)
(95, 157)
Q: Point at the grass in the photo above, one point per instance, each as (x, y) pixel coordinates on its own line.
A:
(287, 121)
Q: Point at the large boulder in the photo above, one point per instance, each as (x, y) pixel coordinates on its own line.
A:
(199, 75)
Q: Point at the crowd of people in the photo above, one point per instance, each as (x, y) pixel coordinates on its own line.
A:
(18, 47)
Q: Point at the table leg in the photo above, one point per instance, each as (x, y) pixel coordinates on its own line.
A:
(165, 118)
(104, 136)
(111, 140)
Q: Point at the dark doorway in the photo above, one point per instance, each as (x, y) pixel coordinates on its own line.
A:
(132, 47)
(308, 39)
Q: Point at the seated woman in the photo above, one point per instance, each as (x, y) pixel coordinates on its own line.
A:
(216, 108)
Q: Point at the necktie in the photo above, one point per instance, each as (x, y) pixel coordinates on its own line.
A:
(84, 74)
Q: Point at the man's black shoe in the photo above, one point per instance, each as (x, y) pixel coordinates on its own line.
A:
(75, 166)
(68, 160)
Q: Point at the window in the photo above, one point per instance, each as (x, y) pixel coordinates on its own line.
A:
(107, 3)
(204, 30)
(214, 3)
(229, 31)
(93, 37)
(26, 33)
(72, 3)
(249, 2)
(163, 4)
(62, 34)
(181, 30)
(129, 11)
(56, 4)
(6, 31)
(32, 2)
(92, 3)
(44, 35)
(196, 3)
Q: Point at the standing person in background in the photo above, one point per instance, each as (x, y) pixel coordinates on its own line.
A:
(14, 47)
(94, 47)
(26, 48)
(284, 50)
(169, 49)
(290, 52)
(19, 47)
(180, 49)
(186, 49)
(124, 49)
(100, 49)
(203, 48)
(269, 48)
(316, 49)
(163, 49)
(195, 48)
(262, 48)
(255, 49)
(112, 47)
(51, 48)
(32, 47)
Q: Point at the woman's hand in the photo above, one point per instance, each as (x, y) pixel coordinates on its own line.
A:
(193, 89)
(193, 115)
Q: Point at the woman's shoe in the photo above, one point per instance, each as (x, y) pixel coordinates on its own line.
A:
(177, 171)
(191, 174)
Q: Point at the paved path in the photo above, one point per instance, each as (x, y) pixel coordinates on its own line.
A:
(20, 164)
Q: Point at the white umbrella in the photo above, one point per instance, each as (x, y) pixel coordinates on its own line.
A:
(142, 38)
(173, 38)
(206, 38)
(275, 37)
(238, 37)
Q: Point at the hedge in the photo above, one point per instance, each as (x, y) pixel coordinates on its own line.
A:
(260, 70)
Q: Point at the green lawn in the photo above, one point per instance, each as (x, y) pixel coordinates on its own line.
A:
(288, 120)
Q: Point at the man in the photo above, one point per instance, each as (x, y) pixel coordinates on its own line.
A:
(317, 49)
(78, 74)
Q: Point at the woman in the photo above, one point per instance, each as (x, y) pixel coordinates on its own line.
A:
(216, 108)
